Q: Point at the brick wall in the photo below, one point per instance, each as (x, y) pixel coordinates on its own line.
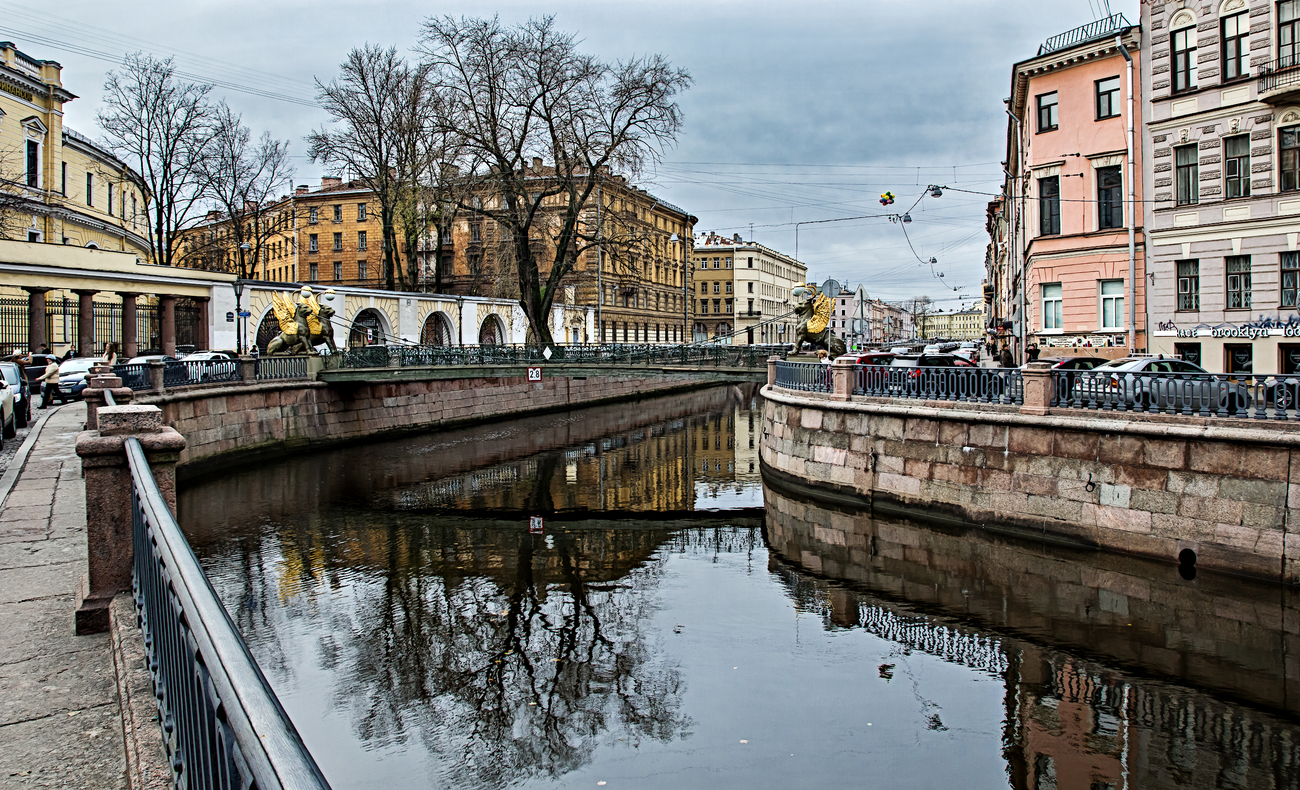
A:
(1152, 487)
(225, 423)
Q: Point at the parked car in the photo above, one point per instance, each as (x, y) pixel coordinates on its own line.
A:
(13, 376)
(72, 377)
(1163, 384)
(1065, 383)
(212, 365)
(36, 368)
(926, 377)
(900, 350)
(8, 419)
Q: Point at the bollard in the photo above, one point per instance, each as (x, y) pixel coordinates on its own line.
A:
(94, 395)
(248, 370)
(1040, 388)
(109, 519)
(157, 375)
(771, 370)
(842, 378)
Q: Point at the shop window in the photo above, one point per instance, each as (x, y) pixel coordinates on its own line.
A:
(1289, 354)
(1188, 352)
(1239, 358)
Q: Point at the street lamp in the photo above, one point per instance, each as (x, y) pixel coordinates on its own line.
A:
(238, 285)
(460, 321)
(686, 311)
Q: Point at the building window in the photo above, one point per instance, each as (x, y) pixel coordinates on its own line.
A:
(1236, 46)
(361, 240)
(1189, 285)
(728, 287)
(717, 305)
(1112, 304)
(1290, 278)
(313, 215)
(751, 261)
(1110, 198)
(1107, 98)
(313, 244)
(1290, 146)
(90, 189)
(717, 288)
(1288, 30)
(1184, 65)
(361, 212)
(338, 213)
(751, 287)
(63, 181)
(1052, 304)
(1239, 358)
(110, 199)
(362, 274)
(33, 164)
(1238, 267)
(1049, 205)
(338, 241)
(1236, 166)
(475, 233)
(313, 271)
(338, 270)
(1047, 119)
(1186, 175)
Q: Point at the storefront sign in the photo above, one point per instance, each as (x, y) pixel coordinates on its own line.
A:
(1265, 327)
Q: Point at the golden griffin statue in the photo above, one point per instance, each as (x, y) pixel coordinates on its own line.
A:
(815, 309)
(304, 324)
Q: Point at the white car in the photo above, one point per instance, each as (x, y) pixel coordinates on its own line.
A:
(8, 418)
(214, 365)
(931, 349)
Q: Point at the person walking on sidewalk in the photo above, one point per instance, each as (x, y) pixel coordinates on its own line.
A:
(1004, 359)
(49, 382)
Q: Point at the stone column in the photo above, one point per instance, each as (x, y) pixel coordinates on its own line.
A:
(167, 324)
(771, 370)
(1040, 388)
(157, 375)
(102, 381)
(842, 371)
(130, 325)
(109, 553)
(36, 318)
(205, 328)
(85, 322)
(248, 370)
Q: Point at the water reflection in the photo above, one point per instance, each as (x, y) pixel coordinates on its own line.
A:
(654, 635)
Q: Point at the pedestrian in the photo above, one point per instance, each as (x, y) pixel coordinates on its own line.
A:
(823, 357)
(49, 382)
(1004, 359)
(1032, 352)
(110, 355)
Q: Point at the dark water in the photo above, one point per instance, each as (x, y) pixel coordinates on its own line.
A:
(672, 622)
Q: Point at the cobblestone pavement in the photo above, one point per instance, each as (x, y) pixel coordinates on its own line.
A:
(60, 724)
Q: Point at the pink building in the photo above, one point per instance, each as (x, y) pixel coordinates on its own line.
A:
(1077, 251)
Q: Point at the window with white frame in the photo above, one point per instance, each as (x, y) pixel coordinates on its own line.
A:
(1290, 279)
(1238, 268)
(1052, 306)
(1112, 304)
(1189, 284)
(1184, 57)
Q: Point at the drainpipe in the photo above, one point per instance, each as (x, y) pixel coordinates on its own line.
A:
(1132, 202)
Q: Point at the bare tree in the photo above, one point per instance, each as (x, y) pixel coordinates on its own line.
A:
(13, 202)
(919, 308)
(159, 125)
(522, 94)
(376, 103)
(240, 178)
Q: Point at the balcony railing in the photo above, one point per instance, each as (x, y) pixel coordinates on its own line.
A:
(1102, 28)
(1277, 74)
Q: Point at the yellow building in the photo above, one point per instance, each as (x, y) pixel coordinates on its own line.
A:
(960, 325)
(68, 190)
(743, 287)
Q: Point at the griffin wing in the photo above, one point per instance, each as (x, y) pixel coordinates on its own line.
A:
(313, 318)
(283, 309)
(821, 314)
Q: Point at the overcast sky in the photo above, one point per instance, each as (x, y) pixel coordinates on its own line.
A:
(799, 111)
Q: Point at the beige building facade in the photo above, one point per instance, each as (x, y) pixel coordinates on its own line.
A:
(741, 290)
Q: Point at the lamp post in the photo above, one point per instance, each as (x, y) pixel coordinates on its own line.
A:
(686, 310)
(460, 321)
(238, 285)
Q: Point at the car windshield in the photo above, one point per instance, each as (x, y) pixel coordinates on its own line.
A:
(1117, 363)
(76, 366)
(10, 373)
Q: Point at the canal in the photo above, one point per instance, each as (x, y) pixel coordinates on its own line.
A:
(613, 597)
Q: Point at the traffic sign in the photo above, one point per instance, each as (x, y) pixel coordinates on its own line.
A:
(245, 314)
(230, 318)
(535, 525)
(534, 374)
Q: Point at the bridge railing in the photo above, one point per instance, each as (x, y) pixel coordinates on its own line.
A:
(275, 368)
(640, 354)
(1262, 397)
(804, 376)
(222, 724)
(975, 385)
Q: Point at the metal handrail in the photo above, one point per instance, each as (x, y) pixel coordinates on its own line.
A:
(1102, 28)
(804, 376)
(222, 724)
(748, 356)
(1243, 395)
(973, 385)
(1279, 73)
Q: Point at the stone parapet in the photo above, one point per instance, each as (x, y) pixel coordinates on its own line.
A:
(1225, 490)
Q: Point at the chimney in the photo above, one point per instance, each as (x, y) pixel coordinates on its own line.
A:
(213, 216)
(301, 189)
(330, 182)
(537, 164)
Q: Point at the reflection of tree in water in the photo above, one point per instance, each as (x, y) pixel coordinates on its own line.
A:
(505, 655)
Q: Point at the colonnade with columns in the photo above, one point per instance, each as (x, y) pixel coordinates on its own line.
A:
(36, 321)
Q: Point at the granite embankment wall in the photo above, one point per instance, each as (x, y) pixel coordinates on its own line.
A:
(1227, 490)
(223, 425)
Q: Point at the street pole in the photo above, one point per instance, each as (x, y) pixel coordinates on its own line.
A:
(1132, 205)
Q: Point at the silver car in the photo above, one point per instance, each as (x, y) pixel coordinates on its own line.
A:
(1160, 384)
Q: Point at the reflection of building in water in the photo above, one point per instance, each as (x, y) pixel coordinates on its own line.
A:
(748, 429)
(1071, 724)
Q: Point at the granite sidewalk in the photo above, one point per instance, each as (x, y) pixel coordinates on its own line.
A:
(60, 720)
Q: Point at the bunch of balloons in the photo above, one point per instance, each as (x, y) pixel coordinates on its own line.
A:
(887, 198)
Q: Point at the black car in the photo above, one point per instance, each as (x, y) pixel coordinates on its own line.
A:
(947, 377)
(13, 374)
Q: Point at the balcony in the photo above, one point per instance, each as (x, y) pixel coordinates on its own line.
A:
(749, 313)
(1279, 80)
(1093, 31)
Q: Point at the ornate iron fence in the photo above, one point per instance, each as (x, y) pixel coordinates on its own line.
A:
(222, 724)
(803, 376)
(134, 376)
(13, 324)
(978, 385)
(1281, 73)
(644, 354)
(275, 367)
(210, 371)
(1263, 397)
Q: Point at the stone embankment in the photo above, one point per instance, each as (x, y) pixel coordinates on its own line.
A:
(1222, 494)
